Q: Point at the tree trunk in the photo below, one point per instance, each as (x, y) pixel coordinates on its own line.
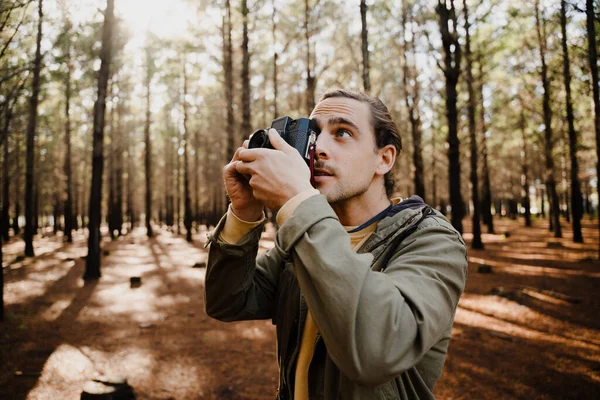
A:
(5, 192)
(187, 217)
(246, 124)
(118, 206)
(197, 179)
(412, 97)
(275, 57)
(486, 203)
(311, 82)
(476, 243)
(15, 224)
(452, 56)
(228, 67)
(130, 211)
(31, 127)
(92, 262)
(1, 282)
(525, 168)
(593, 61)
(364, 35)
(148, 150)
(549, 145)
(576, 197)
(67, 164)
(178, 191)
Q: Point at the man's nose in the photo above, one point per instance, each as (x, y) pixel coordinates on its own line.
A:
(322, 145)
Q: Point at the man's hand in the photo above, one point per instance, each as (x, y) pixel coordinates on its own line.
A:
(275, 176)
(243, 203)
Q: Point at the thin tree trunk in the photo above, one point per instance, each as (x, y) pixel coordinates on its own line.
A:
(197, 179)
(525, 168)
(15, 225)
(310, 78)
(31, 128)
(364, 35)
(476, 243)
(245, 75)
(550, 181)
(92, 264)
(1, 282)
(576, 197)
(412, 97)
(228, 67)
(5, 192)
(187, 217)
(452, 56)
(593, 61)
(178, 193)
(118, 207)
(275, 57)
(148, 150)
(67, 162)
(486, 204)
(130, 211)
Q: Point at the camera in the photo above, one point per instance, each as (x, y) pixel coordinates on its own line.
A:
(299, 133)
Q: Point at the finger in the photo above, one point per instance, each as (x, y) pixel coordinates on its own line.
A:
(249, 155)
(245, 144)
(244, 168)
(278, 143)
(236, 155)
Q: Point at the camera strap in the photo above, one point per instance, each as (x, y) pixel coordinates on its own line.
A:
(379, 216)
(311, 151)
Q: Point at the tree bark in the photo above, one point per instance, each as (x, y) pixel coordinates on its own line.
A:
(92, 264)
(187, 218)
(275, 57)
(5, 193)
(364, 35)
(576, 197)
(68, 195)
(31, 127)
(245, 75)
(476, 243)
(452, 57)
(311, 82)
(148, 143)
(486, 203)
(412, 98)
(228, 67)
(593, 61)
(549, 145)
(525, 168)
(15, 224)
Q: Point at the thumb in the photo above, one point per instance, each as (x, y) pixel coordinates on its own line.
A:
(278, 142)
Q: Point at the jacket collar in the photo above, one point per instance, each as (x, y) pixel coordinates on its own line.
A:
(399, 218)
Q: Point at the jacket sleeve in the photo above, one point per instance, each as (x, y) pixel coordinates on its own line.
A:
(375, 325)
(238, 284)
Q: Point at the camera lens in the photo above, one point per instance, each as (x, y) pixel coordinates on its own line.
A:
(259, 139)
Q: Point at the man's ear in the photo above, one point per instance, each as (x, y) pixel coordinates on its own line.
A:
(387, 157)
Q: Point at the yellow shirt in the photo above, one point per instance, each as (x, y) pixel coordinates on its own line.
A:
(309, 335)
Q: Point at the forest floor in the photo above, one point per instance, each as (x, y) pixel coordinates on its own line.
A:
(530, 329)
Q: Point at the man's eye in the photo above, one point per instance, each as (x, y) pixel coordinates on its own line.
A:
(343, 133)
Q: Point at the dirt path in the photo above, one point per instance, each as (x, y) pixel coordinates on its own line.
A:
(527, 330)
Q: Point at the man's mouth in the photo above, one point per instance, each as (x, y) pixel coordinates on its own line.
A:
(322, 172)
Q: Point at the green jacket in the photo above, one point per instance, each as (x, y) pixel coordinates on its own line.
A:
(382, 334)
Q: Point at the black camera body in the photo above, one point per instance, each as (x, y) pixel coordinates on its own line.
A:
(299, 133)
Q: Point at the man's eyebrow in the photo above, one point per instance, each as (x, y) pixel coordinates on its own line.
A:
(337, 121)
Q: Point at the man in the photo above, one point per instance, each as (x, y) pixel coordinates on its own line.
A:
(362, 289)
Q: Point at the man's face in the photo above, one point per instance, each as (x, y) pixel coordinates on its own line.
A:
(346, 153)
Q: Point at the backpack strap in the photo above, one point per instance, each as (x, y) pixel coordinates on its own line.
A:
(427, 211)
